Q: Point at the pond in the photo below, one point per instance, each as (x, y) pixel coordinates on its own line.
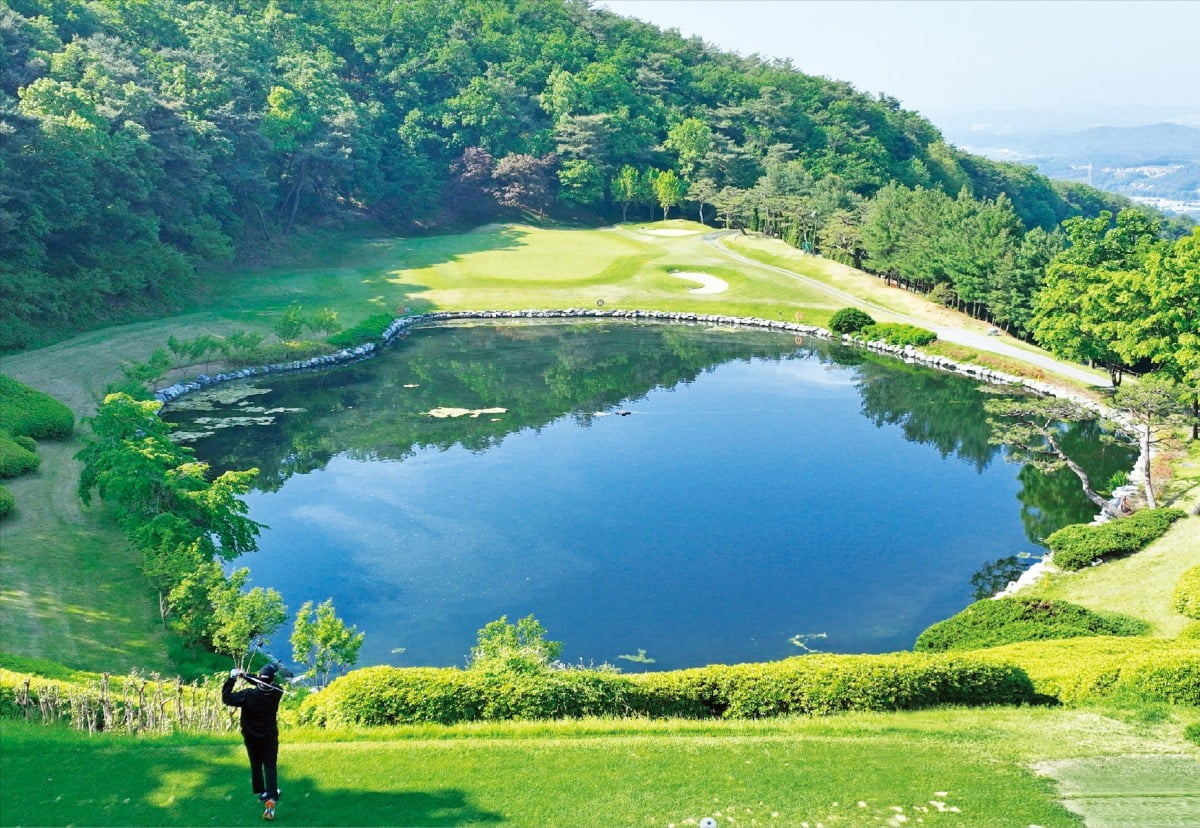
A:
(658, 495)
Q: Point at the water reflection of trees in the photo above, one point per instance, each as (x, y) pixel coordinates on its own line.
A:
(930, 407)
(539, 373)
(378, 409)
(1051, 501)
(946, 411)
(995, 575)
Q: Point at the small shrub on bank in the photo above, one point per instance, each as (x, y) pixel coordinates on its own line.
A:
(992, 622)
(7, 502)
(849, 320)
(1186, 598)
(27, 412)
(1076, 546)
(278, 352)
(898, 334)
(365, 331)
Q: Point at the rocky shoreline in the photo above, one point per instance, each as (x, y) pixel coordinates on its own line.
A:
(907, 353)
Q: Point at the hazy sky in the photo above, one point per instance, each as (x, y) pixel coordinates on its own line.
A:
(955, 56)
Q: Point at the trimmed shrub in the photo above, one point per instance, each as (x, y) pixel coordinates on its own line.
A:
(15, 459)
(992, 622)
(1174, 683)
(1186, 598)
(7, 502)
(1076, 546)
(849, 320)
(825, 684)
(1192, 732)
(1191, 632)
(898, 334)
(810, 685)
(1089, 670)
(391, 695)
(555, 694)
(27, 412)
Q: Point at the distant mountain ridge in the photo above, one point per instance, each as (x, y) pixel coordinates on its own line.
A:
(1155, 143)
(1156, 163)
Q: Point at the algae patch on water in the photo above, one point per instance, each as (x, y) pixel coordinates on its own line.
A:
(444, 411)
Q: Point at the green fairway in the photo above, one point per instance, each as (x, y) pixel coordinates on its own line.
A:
(966, 768)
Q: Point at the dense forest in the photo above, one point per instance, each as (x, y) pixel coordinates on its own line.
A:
(143, 141)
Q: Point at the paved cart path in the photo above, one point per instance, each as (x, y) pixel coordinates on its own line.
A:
(980, 342)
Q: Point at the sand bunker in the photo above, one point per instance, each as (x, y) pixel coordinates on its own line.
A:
(708, 284)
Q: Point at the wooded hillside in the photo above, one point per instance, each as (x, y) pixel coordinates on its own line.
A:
(142, 140)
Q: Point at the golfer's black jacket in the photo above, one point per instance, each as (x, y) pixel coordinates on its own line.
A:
(258, 707)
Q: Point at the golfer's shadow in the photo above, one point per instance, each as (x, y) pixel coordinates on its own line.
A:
(449, 806)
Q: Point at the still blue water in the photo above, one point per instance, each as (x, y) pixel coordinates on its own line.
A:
(721, 518)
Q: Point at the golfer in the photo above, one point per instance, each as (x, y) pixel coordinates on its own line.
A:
(260, 732)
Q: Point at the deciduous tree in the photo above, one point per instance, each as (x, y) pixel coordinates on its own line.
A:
(323, 643)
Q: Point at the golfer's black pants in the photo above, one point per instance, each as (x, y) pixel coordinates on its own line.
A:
(263, 752)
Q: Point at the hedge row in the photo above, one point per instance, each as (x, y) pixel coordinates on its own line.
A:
(1089, 670)
(992, 622)
(1186, 598)
(811, 685)
(1077, 546)
(27, 412)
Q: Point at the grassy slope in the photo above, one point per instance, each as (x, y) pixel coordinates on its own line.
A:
(1140, 585)
(63, 601)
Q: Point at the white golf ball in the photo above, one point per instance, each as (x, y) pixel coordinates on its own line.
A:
(708, 822)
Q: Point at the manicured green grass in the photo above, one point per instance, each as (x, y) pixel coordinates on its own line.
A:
(965, 768)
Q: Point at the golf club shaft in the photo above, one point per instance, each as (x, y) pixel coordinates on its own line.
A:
(266, 685)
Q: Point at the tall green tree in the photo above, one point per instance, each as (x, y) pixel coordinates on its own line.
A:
(244, 622)
(1155, 405)
(627, 189)
(1079, 313)
(1159, 314)
(323, 643)
(669, 190)
(691, 141)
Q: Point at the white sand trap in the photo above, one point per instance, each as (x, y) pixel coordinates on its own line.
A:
(708, 284)
(667, 231)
